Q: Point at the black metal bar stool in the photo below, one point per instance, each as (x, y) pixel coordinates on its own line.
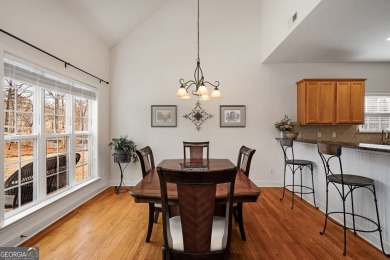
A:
(294, 165)
(330, 154)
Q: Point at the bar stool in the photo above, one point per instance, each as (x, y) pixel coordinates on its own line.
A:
(294, 165)
(330, 155)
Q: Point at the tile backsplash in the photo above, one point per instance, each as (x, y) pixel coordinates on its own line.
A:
(344, 133)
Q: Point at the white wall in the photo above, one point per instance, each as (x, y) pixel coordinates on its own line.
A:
(275, 16)
(147, 65)
(47, 26)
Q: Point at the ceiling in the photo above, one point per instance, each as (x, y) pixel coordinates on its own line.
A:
(335, 31)
(339, 31)
(111, 20)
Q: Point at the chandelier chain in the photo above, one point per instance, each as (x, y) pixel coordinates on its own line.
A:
(198, 34)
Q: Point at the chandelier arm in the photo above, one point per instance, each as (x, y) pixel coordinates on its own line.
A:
(216, 83)
(198, 70)
(187, 84)
(194, 93)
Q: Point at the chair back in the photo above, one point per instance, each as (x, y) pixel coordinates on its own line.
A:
(244, 159)
(196, 150)
(331, 157)
(146, 158)
(196, 191)
(288, 149)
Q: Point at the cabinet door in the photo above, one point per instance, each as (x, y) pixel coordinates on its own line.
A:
(301, 103)
(320, 100)
(350, 102)
(312, 104)
(343, 102)
(357, 102)
(326, 102)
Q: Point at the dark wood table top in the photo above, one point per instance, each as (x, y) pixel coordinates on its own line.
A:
(148, 189)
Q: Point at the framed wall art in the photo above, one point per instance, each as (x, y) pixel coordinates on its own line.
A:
(232, 116)
(164, 115)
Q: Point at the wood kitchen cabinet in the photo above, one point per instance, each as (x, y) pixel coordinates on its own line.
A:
(330, 101)
(350, 102)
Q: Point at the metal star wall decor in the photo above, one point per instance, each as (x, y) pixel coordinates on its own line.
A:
(198, 116)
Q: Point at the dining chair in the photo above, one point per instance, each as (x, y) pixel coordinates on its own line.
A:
(146, 159)
(245, 155)
(196, 233)
(345, 185)
(294, 165)
(196, 151)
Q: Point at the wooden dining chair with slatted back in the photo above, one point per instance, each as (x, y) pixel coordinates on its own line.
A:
(243, 164)
(146, 159)
(196, 151)
(196, 233)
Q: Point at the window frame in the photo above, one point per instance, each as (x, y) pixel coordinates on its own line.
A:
(38, 132)
(361, 128)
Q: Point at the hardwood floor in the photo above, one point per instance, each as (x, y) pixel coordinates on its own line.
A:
(112, 226)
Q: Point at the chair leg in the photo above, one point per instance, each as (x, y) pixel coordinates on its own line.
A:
(326, 208)
(235, 214)
(353, 211)
(345, 224)
(284, 181)
(312, 183)
(164, 252)
(241, 221)
(300, 171)
(156, 216)
(150, 222)
(379, 224)
(293, 187)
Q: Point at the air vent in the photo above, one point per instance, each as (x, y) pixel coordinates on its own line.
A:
(292, 19)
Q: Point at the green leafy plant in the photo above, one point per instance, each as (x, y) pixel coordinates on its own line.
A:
(285, 125)
(123, 144)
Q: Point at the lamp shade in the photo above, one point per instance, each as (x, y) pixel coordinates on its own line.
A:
(186, 96)
(216, 93)
(202, 90)
(181, 91)
(204, 98)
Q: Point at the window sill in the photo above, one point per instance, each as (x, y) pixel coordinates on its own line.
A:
(27, 212)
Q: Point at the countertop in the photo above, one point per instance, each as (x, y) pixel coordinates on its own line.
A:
(359, 146)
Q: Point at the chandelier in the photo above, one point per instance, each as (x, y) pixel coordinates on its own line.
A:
(199, 82)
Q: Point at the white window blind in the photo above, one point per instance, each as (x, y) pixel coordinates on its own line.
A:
(21, 70)
(377, 113)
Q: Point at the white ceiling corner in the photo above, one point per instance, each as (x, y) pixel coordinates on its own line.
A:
(111, 20)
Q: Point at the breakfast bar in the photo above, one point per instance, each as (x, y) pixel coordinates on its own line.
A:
(368, 160)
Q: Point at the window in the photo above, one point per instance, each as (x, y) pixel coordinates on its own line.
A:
(377, 113)
(48, 133)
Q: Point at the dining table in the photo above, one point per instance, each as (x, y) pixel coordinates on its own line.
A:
(148, 189)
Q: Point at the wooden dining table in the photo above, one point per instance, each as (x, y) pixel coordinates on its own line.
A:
(148, 189)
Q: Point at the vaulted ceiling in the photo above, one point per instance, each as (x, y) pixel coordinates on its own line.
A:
(335, 31)
(111, 20)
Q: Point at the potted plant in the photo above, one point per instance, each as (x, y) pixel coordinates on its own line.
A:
(286, 128)
(124, 150)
